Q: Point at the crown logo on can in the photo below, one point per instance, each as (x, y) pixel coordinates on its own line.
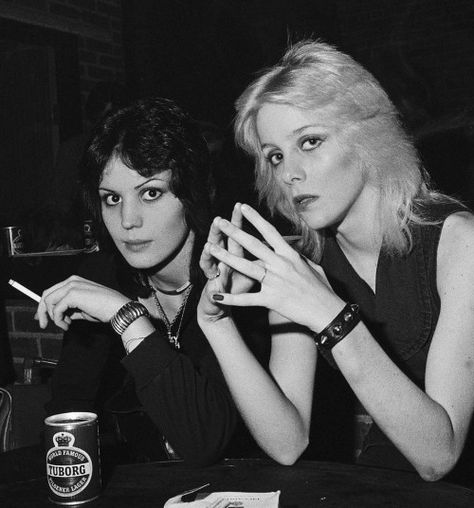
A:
(63, 439)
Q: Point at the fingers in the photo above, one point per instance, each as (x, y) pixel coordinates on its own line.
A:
(215, 235)
(207, 262)
(240, 264)
(60, 302)
(276, 243)
(267, 230)
(66, 310)
(237, 220)
(246, 241)
(238, 300)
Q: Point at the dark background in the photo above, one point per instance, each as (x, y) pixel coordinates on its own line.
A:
(204, 53)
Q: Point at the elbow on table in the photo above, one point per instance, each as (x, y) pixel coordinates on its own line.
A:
(439, 469)
(288, 455)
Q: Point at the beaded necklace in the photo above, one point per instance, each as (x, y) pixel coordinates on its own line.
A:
(173, 338)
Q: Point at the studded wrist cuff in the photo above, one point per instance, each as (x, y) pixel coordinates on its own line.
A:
(338, 328)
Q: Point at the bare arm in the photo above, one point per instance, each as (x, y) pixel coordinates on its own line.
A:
(276, 406)
(429, 427)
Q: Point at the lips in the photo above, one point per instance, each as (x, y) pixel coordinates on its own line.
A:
(302, 201)
(136, 245)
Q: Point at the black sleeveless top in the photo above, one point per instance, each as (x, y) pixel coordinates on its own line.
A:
(401, 315)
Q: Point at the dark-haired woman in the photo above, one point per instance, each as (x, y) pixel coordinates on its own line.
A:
(145, 174)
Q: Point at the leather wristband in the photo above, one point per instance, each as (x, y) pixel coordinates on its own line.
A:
(338, 328)
(126, 315)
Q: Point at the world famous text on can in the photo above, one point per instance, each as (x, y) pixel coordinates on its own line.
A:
(72, 458)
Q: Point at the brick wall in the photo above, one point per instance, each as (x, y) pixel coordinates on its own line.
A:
(97, 24)
(28, 341)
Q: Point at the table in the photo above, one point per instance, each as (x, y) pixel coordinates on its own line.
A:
(307, 484)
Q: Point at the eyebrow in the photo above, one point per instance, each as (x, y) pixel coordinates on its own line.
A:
(296, 132)
(152, 179)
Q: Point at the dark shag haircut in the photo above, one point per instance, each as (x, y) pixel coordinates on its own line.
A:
(152, 135)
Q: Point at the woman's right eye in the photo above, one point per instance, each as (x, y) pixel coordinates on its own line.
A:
(274, 158)
(110, 199)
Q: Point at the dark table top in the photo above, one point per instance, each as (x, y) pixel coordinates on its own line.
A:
(306, 484)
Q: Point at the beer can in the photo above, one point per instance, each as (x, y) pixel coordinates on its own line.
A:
(12, 240)
(72, 458)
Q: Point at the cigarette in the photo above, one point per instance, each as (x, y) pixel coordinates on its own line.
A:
(24, 290)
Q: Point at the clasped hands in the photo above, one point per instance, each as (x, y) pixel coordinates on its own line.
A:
(290, 284)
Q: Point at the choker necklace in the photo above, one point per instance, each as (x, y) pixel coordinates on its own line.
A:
(176, 291)
(173, 338)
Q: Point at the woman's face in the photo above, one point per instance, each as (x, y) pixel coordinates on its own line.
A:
(143, 217)
(316, 166)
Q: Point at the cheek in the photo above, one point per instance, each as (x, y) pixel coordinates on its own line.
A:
(109, 221)
(172, 224)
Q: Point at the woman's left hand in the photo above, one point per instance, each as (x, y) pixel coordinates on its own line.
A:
(221, 277)
(78, 298)
(291, 285)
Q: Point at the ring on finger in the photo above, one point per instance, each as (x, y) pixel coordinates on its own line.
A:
(212, 277)
(264, 275)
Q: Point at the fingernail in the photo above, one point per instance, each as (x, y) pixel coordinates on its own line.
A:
(217, 297)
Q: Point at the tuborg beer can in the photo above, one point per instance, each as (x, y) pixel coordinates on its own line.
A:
(72, 458)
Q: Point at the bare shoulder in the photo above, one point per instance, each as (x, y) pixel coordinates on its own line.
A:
(458, 231)
(456, 245)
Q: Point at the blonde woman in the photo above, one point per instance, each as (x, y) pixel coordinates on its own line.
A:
(381, 284)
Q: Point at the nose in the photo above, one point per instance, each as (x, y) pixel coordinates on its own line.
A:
(131, 216)
(293, 171)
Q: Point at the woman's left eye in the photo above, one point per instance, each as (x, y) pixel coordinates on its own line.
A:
(151, 194)
(311, 143)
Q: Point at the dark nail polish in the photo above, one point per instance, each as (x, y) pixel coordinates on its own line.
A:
(217, 297)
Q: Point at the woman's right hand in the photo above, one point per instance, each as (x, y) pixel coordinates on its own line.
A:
(78, 298)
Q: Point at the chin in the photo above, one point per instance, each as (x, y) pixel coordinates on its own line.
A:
(315, 223)
(139, 262)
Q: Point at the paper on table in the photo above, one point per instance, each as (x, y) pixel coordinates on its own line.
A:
(234, 499)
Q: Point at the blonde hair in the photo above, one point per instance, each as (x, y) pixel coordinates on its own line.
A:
(313, 75)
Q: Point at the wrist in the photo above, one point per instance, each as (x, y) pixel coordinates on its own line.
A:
(338, 329)
(215, 322)
(141, 327)
(130, 344)
(331, 309)
(126, 315)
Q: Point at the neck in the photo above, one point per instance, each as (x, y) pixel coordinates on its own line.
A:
(359, 232)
